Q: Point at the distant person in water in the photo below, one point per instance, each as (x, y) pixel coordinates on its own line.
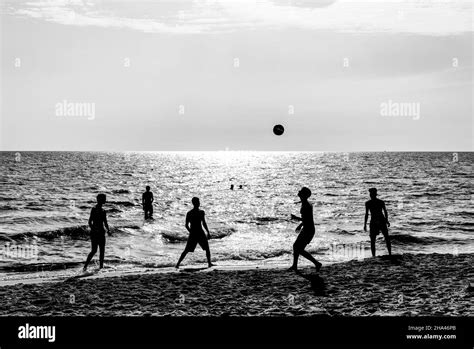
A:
(241, 187)
(195, 220)
(98, 225)
(306, 230)
(378, 220)
(147, 203)
(231, 187)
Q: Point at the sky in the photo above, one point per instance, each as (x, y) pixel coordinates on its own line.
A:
(218, 75)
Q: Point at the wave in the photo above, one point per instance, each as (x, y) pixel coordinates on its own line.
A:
(264, 220)
(418, 195)
(258, 220)
(9, 208)
(74, 232)
(416, 223)
(342, 232)
(34, 207)
(257, 255)
(38, 267)
(447, 225)
(122, 203)
(458, 223)
(422, 240)
(54, 266)
(121, 191)
(177, 237)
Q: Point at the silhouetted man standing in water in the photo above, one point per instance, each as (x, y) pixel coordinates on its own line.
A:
(195, 220)
(378, 220)
(97, 222)
(306, 230)
(147, 203)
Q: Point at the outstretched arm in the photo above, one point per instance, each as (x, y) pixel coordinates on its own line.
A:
(366, 216)
(152, 198)
(204, 224)
(143, 199)
(296, 218)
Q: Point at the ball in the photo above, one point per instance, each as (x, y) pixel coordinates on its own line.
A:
(278, 130)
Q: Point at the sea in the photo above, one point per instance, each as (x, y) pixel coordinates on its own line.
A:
(46, 199)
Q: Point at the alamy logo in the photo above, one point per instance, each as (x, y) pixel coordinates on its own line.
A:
(76, 109)
(37, 332)
(27, 251)
(391, 108)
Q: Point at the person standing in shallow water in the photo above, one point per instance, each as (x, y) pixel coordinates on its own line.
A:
(98, 225)
(378, 220)
(306, 230)
(147, 203)
(195, 220)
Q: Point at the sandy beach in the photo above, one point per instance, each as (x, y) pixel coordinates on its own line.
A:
(406, 285)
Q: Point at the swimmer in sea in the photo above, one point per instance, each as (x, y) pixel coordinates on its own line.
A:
(147, 203)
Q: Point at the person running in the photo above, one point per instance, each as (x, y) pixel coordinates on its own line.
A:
(147, 203)
(98, 225)
(306, 230)
(378, 220)
(195, 220)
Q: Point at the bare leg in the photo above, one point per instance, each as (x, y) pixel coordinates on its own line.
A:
(296, 255)
(388, 243)
(90, 256)
(372, 245)
(308, 256)
(101, 253)
(208, 256)
(185, 252)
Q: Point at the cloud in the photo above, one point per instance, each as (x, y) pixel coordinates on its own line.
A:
(216, 16)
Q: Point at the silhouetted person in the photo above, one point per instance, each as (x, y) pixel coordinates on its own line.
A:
(147, 203)
(378, 220)
(98, 225)
(306, 230)
(195, 220)
(241, 187)
(231, 187)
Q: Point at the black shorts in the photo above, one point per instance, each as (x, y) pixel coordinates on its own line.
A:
(303, 239)
(197, 238)
(97, 240)
(378, 227)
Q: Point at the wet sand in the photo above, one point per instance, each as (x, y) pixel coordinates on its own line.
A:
(405, 285)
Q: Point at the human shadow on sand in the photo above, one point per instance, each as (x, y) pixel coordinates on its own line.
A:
(393, 259)
(317, 283)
